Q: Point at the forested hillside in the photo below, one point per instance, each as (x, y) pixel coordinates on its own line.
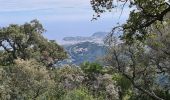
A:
(137, 63)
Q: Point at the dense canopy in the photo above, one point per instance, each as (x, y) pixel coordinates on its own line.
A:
(144, 14)
(26, 41)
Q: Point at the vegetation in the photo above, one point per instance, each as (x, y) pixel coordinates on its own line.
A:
(27, 69)
(142, 57)
(27, 42)
(145, 13)
(138, 63)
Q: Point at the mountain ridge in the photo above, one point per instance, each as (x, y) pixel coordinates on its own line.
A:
(97, 37)
(81, 49)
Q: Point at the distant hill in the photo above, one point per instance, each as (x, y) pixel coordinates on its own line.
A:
(85, 51)
(97, 37)
(82, 49)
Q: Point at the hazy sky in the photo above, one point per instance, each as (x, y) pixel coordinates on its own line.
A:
(60, 17)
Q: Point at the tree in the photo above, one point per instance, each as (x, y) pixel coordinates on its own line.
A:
(99, 82)
(26, 41)
(142, 64)
(145, 14)
(25, 80)
(144, 51)
(78, 94)
(91, 68)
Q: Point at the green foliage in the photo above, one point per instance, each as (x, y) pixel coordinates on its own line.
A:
(99, 82)
(78, 94)
(145, 13)
(163, 94)
(26, 41)
(68, 77)
(137, 64)
(24, 80)
(30, 80)
(125, 86)
(91, 68)
(142, 63)
(122, 81)
(25, 57)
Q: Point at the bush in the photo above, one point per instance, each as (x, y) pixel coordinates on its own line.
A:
(25, 80)
(78, 94)
(91, 68)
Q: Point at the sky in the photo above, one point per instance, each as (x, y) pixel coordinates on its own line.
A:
(61, 18)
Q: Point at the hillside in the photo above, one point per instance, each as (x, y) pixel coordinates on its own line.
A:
(81, 49)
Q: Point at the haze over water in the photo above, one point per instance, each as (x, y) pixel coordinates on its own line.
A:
(61, 18)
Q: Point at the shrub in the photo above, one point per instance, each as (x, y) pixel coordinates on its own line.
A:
(25, 80)
(78, 94)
